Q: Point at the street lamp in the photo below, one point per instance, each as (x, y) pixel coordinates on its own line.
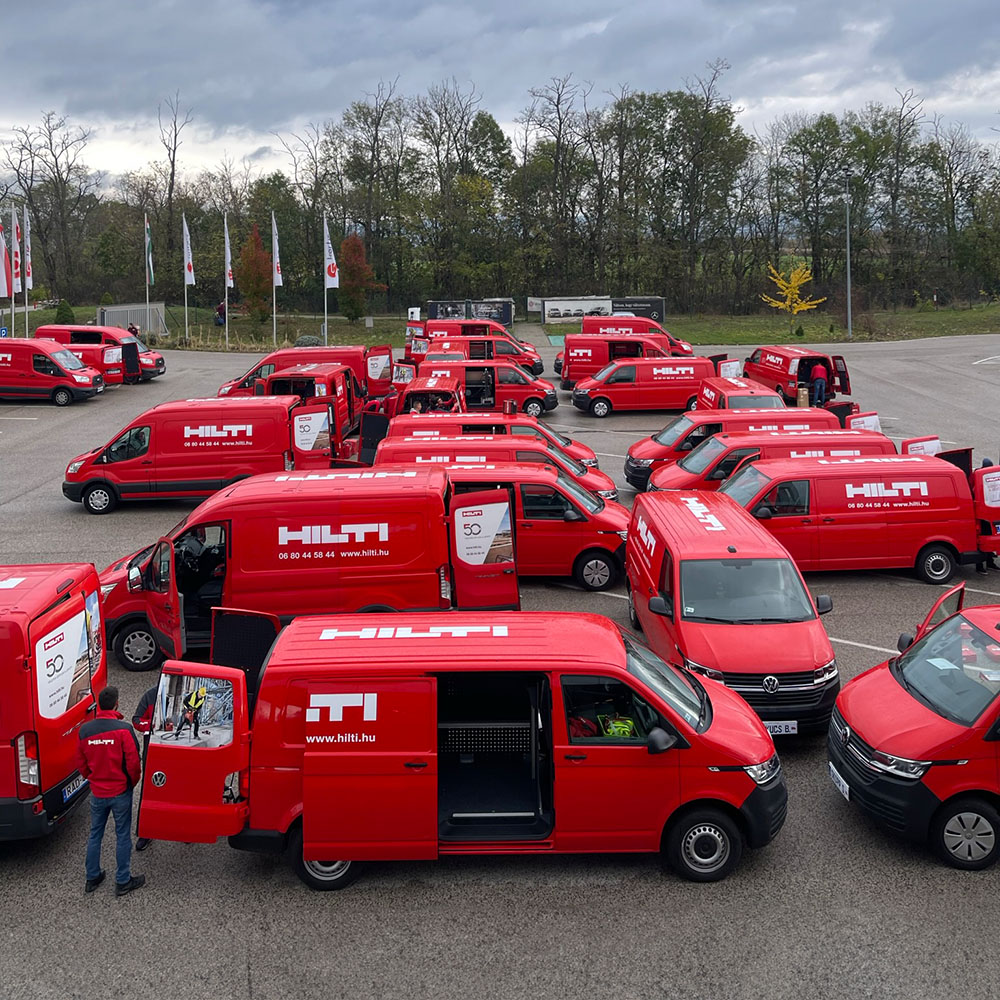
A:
(847, 207)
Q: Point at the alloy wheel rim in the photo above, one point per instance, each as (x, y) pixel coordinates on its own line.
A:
(969, 836)
(139, 647)
(596, 573)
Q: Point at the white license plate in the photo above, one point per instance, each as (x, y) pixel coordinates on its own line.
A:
(100, 388)
(73, 787)
(842, 786)
(782, 728)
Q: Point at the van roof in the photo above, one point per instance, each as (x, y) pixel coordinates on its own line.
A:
(869, 464)
(262, 403)
(729, 383)
(31, 588)
(522, 472)
(817, 436)
(464, 440)
(317, 368)
(296, 352)
(788, 415)
(526, 640)
(115, 331)
(692, 519)
(464, 418)
(660, 362)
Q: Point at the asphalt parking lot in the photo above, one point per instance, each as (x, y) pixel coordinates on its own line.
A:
(833, 908)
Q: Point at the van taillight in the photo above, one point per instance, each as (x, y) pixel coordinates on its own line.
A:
(28, 781)
(445, 585)
(289, 464)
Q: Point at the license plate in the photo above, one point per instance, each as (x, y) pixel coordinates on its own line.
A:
(100, 388)
(73, 787)
(782, 728)
(842, 786)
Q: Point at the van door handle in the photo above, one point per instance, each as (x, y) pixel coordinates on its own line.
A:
(576, 756)
(508, 572)
(827, 520)
(415, 763)
(807, 520)
(147, 461)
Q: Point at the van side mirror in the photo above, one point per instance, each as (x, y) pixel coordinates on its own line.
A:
(685, 446)
(824, 603)
(658, 606)
(763, 512)
(659, 740)
(134, 579)
(719, 473)
(573, 515)
(258, 387)
(904, 643)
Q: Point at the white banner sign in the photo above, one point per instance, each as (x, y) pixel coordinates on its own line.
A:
(312, 431)
(484, 534)
(65, 658)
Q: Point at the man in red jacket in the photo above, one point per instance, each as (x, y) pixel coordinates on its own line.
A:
(107, 754)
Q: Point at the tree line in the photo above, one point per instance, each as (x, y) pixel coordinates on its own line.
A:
(626, 193)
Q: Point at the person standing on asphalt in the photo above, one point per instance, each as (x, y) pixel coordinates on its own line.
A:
(107, 755)
(142, 722)
(818, 379)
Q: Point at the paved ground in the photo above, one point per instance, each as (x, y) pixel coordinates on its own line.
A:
(833, 908)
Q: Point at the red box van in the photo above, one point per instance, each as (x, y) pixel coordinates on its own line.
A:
(480, 349)
(52, 664)
(586, 354)
(519, 425)
(913, 741)
(489, 385)
(719, 456)
(418, 332)
(493, 448)
(401, 737)
(666, 343)
(643, 384)
(423, 395)
(714, 592)
(309, 543)
(879, 512)
(138, 361)
(730, 393)
(613, 326)
(372, 366)
(786, 368)
(44, 369)
(684, 433)
(317, 382)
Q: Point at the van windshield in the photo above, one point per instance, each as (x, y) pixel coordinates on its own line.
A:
(587, 500)
(129, 339)
(743, 592)
(954, 670)
(755, 403)
(69, 361)
(604, 372)
(744, 485)
(703, 456)
(577, 468)
(674, 431)
(675, 688)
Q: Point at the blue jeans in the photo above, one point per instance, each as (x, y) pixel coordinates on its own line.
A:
(100, 809)
(819, 391)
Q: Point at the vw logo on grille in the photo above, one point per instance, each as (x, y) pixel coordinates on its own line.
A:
(159, 779)
(845, 735)
(770, 684)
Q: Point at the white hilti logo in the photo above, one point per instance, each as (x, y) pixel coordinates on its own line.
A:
(101, 743)
(11, 582)
(738, 383)
(701, 512)
(581, 352)
(446, 458)
(823, 453)
(708, 393)
(6, 359)
(614, 329)
(444, 373)
(408, 632)
(209, 431)
(891, 459)
(323, 534)
(645, 534)
(336, 703)
(343, 475)
(887, 490)
(679, 370)
(774, 359)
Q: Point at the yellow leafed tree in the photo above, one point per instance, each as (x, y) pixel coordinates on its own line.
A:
(791, 288)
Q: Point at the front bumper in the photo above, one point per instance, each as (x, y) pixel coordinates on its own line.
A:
(810, 708)
(73, 491)
(147, 372)
(551, 400)
(537, 367)
(581, 401)
(764, 811)
(637, 476)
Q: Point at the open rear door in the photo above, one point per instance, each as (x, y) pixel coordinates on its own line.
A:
(843, 379)
(378, 370)
(312, 442)
(374, 427)
(961, 458)
(944, 607)
(402, 376)
(483, 556)
(928, 445)
(863, 422)
(163, 602)
(130, 362)
(196, 768)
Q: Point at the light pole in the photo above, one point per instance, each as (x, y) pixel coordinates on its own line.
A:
(847, 207)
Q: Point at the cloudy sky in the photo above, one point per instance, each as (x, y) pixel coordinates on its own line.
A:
(249, 68)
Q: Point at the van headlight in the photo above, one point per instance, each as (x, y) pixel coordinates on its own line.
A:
(697, 668)
(224, 391)
(591, 463)
(82, 379)
(825, 673)
(642, 463)
(763, 773)
(73, 467)
(608, 494)
(899, 767)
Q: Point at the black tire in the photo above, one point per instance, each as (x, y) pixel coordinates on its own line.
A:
(691, 404)
(99, 499)
(936, 564)
(595, 570)
(62, 396)
(136, 649)
(323, 876)
(534, 408)
(600, 407)
(633, 618)
(703, 845)
(376, 609)
(965, 834)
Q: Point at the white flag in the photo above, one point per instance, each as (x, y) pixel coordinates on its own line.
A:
(28, 283)
(15, 260)
(275, 254)
(229, 256)
(188, 262)
(331, 275)
(4, 266)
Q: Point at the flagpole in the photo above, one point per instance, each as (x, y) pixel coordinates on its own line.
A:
(274, 310)
(145, 262)
(185, 311)
(225, 277)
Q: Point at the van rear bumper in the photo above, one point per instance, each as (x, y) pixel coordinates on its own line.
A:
(259, 841)
(764, 812)
(19, 821)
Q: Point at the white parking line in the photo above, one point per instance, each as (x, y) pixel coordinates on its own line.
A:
(986, 361)
(18, 418)
(608, 454)
(864, 645)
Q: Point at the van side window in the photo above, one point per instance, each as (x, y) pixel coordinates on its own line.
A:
(543, 502)
(788, 498)
(534, 456)
(261, 372)
(133, 443)
(85, 337)
(624, 374)
(667, 578)
(504, 347)
(44, 365)
(756, 356)
(526, 430)
(725, 468)
(508, 376)
(604, 710)
(624, 349)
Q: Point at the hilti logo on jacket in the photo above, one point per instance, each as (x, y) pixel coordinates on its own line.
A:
(408, 632)
(210, 431)
(701, 512)
(324, 534)
(886, 490)
(336, 703)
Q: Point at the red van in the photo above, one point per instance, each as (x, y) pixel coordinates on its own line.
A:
(684, 433)
(480, 349)
(418, 332)
(44, 369)
(309, 543)
(716, 593)
(372, 366)
(717, 457)
(586, 354)
(316, 383)
(106, 360)
(452, 424)
(489, 385)
(643, 384)
(913, 742)
(404, 737)
(494, 448)
(621, 333)
(52, 665)
(614, 326)
(140, 364)
(877, 512)
(731, 393)
(786, 368)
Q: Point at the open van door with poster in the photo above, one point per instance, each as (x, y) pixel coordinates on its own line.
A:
(482, 546)
(314, 439)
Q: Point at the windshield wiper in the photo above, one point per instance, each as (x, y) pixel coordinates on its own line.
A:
(769, 621)
(714, 621)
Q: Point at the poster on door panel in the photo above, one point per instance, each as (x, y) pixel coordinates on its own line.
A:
(312, 431)
(62, 667)
(864, 422)
(484, 534)
(379, 366)
(991, 489)
(730, 369)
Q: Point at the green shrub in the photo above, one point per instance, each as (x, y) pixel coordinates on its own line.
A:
(308, 340)
(64, 314)
(799, 332)
(107, 300)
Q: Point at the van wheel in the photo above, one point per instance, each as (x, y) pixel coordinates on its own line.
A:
(534, 408)
(375, 609)
(600, 408)
(966, 834)
(99, 499)
(692, 403)
(321, 875)
(62, 397)
(595, 570)
(704, 845)
(136, 649)
(633, 618)
(935, 564)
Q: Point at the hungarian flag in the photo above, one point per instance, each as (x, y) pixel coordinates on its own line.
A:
(5, 269)
(28, 283)
(188, 262)
(229, 256)
(16, 248)
(331, 276)
(149, 252)
(276, 276)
